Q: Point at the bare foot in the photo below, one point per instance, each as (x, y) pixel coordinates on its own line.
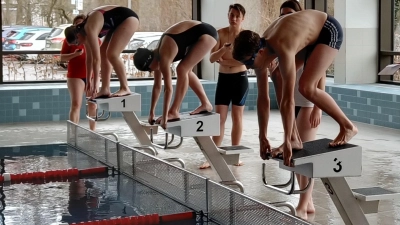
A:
(171, 117)
(103, 94)
(310, 207)
(240, 163)
(344, 136)
(203, 108)
(301, 213)
(296, 145)
(121, 92)
(205, 166)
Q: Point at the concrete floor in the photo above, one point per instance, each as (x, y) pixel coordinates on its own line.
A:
(381, 160)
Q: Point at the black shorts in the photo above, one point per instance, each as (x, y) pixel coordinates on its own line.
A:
(296, 111)
(232, 87)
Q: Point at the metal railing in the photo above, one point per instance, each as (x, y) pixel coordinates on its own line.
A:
(222, 204)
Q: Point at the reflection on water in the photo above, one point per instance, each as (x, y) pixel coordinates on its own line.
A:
(79, 200)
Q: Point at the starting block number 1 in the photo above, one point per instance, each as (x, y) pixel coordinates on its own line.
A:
(200, 123)
(123, 103)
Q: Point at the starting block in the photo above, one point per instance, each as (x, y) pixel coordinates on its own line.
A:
(201, 127)
(127, 105)
(332, 165)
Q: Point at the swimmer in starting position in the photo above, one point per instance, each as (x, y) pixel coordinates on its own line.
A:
(283, 39)
(188, 41)
(117, 24)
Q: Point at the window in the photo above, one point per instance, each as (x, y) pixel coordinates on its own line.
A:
(43, 36)
(389, 38)
(330, 9)
(26, 36)
(155, 17)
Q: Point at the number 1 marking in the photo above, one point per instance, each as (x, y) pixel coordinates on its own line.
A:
(123, 103)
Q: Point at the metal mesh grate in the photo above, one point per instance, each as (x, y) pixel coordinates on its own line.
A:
(224, 206)
(183, 186)
(92, 144)
(227, 206)
(146, 200)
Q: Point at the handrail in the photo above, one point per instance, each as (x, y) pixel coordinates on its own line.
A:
(387, 52)
(45, 52)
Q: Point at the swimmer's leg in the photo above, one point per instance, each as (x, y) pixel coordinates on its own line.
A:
(121, 37)
(197, 87)
(318, 62)
(194, 56)
(106, 69)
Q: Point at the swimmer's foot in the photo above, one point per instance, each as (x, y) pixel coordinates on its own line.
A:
(205, 165)
(171, 117)
(121, 92)
(296, 145)
(240, 163)
(103, 94)
(301, 213)
(310, 206)
(345, 135)
(202, 109)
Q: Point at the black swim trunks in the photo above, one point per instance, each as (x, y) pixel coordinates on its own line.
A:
(232, 87)
(190, 37)
(331, 34)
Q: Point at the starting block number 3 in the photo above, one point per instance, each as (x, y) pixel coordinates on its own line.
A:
(200, 128)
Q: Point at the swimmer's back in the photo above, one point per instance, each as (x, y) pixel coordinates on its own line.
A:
(297, 30)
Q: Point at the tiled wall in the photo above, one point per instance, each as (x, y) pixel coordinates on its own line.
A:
(374, 104)
(52, 102)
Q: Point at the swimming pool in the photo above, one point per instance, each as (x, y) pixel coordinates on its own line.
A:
(73, 201)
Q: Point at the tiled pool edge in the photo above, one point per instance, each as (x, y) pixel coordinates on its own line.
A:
(362, 103)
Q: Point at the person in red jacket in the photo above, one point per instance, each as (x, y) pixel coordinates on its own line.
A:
(76, 76)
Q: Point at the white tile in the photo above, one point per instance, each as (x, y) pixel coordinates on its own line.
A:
(15, 99)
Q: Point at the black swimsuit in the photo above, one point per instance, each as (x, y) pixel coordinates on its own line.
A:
(112, 19)
(189, 37)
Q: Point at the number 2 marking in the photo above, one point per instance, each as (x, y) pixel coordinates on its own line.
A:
(199, 129)
(123, 103)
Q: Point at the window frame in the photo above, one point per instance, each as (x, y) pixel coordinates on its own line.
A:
(196, 12)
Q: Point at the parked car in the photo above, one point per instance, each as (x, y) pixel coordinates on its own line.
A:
(144, 39)
(32, 41)
(7, 30)
(10, 42)
(56, 38)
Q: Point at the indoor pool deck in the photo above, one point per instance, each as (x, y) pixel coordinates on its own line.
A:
(381, 159)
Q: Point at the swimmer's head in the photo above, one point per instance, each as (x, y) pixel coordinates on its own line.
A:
(73, 36)
(290, 6)
(143, 58)
(246, 47)
(236, 14)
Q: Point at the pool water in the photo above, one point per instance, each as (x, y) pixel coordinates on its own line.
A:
(75, 201)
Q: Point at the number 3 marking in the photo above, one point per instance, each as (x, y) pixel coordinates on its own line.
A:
(200, 127)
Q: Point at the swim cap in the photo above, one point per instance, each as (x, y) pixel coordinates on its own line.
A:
(143, 58)
(70, 35)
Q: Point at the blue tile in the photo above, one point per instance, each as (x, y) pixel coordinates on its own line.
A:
(15, 99)
(389, 111)
(22, 112)
(386, 104)
(35, 105)
(56, 117)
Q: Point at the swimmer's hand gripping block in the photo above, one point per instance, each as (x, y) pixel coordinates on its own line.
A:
(318, 160)
(129, 103)
(206, 124)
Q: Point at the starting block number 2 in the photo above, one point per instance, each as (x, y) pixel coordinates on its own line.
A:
(200, 128)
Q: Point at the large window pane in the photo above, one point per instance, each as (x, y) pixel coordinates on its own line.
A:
(396, 28)
(19, 16)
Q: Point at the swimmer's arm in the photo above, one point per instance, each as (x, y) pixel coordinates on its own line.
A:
(263, 102)
(92, 42)
(64, 56)
(287, 66)
(217, 52)
(155, 94)
(89, 63)
(166, 73)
